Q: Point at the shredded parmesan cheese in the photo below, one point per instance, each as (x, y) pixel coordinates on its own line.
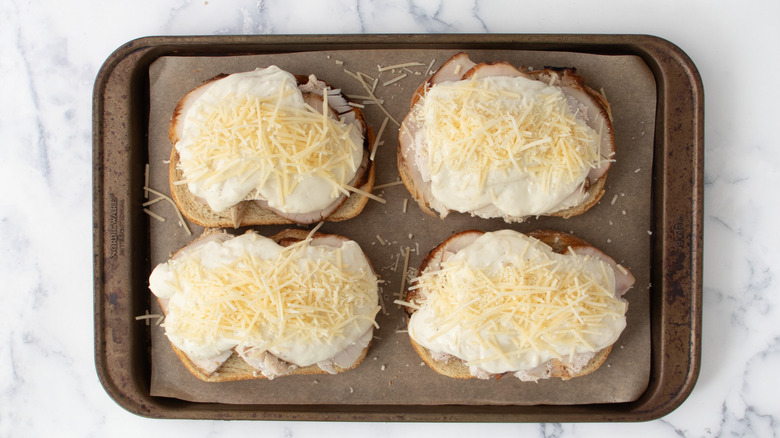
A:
(365, 193)
(154, 215)
(430, 66)
(378, 138)
(146, 317)
(153, 201)
(314, 230)
(393, 67)
(402, 291)
(394, 80)
(370, 90)
(182, 222)
(408, 304)
(390, 184)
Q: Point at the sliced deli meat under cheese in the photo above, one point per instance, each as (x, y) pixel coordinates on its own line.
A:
(504, 302)
(501, 142)
(277, 306)
(288, 142)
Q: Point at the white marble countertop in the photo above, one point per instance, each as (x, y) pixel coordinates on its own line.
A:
(50, 53)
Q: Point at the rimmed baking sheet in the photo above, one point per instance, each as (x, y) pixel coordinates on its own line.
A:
(625, 224)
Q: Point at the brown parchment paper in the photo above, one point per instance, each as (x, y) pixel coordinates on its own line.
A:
(392, 373)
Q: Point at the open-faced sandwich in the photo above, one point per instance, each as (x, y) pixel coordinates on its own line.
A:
(268, 147)
(249, 307)
(493, 140)
(535, 306)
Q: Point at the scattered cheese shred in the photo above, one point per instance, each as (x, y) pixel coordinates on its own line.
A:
(154, 215)
(393, 67)
(314, 230)
(365, 76)
(370, 90)
(153, 201)
(182, 222)
(430, 66)
(394, 80)
(365, 99)
(406, 304)
(390, 184)
(149, 316)
(402, 291)
(365, 193)
(375, 146)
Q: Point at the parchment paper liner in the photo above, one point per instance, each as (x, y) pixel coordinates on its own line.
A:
(392, 372)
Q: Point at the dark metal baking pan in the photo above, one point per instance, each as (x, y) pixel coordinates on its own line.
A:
(121, 237)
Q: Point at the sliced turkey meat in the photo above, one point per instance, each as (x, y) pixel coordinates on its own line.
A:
(264, 362)
(346, 358)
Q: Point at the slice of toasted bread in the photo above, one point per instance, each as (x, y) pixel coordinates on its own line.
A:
(234, 367)
(460, 67)
(251, 212)
(454, 367)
